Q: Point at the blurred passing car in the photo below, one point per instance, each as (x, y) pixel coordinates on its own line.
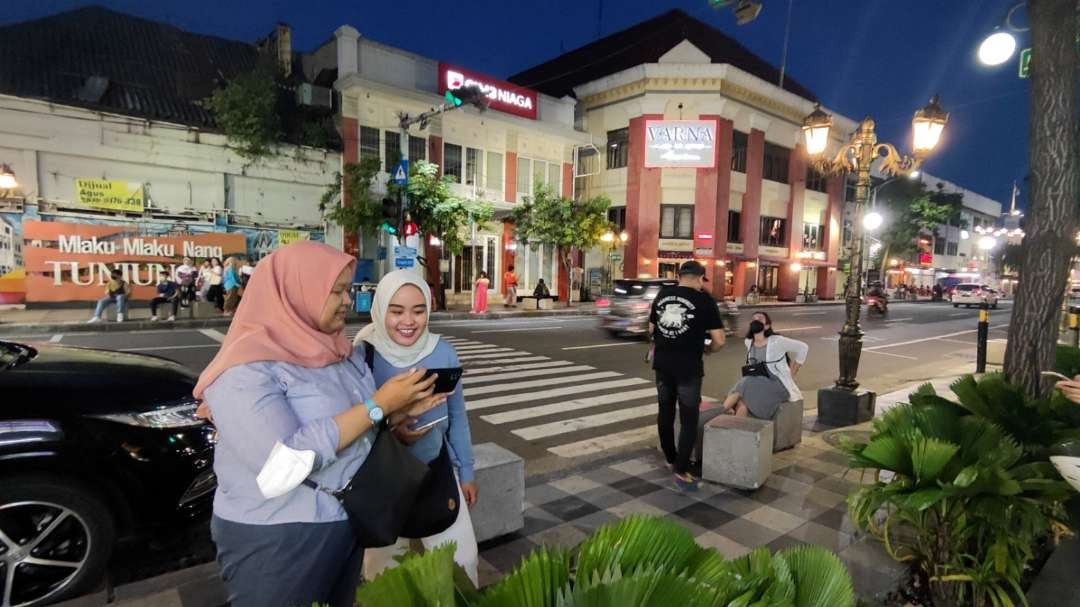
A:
(626, 310)
(973, 294)
(95, 446)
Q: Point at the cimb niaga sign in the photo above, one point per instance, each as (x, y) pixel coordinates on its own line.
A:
(680, 143)
(502, 96)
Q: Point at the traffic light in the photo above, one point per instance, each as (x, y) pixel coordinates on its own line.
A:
(391, 212)
(471, 95)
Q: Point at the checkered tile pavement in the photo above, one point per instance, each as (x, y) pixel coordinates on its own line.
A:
(803, 501)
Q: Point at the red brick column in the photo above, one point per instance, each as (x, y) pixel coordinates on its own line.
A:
(834, 218)
(642, 205)
(751, 202)
(789, 280)
(350, 129)
(712, 200)
(435, 151)
(567, 180)
(510, 172)
(741, 279)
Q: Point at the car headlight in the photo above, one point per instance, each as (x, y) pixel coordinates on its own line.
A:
(178, 414)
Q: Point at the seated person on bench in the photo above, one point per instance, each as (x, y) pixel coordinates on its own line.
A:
(541, 291)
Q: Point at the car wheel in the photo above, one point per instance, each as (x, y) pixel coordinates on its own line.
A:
(57, 540)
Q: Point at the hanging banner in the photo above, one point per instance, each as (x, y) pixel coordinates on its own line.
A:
(107, 195)
(290, 236)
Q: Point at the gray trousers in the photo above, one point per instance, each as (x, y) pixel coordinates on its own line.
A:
(288, 565)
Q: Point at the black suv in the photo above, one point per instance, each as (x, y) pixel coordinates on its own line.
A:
(626, 310)
(95, 446)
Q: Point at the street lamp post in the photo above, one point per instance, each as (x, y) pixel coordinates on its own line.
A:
(611, 241)
(857, 156)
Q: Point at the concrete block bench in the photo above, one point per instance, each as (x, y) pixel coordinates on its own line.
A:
(500, 479)
(787, 426)
(737, 451)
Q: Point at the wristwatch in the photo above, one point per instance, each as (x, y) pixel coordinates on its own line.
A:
(375, 413)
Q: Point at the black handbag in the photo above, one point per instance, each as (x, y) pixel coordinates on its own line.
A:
(393, 494)
(756, 369)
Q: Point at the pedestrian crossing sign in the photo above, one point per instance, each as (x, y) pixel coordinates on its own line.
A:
(401, 172)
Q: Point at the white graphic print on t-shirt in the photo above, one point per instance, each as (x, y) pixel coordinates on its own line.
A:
(675, 315)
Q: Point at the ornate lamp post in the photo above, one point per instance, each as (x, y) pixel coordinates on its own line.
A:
(856, 156)
(611, 240)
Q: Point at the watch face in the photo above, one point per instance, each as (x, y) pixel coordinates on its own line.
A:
(376, 414)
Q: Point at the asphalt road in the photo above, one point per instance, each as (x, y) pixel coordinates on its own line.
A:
(558, 391)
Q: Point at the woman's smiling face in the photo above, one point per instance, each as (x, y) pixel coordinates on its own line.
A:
(406, 316)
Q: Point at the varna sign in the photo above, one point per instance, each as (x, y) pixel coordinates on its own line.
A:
(680, 143)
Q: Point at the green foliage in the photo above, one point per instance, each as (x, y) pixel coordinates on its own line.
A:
(637, 562)
(436, 210)
(364, 211)
(571, 226)
(246, 110)
(315, 133)
(969, 489)
(913, 211)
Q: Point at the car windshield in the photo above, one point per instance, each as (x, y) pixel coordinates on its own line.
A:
(630, 288)
(12, 355)
(967, 287)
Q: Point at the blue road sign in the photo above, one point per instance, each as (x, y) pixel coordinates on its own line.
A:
(401, 172)
(404, 262)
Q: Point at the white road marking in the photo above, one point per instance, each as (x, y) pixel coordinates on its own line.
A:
(468, 346)
(523, 359)
(55, 339)
(957, 341)
(518, 330)
(809, 313)
(213, 334)
(499, 369)
(470, 380)
(513, 399)
(787, 330)
(151, 348)
(536, 383)
(564, 426)
(571, 405)
(925, 339)
(605, 442)
(898, 320)
(960, 314)
(625, 343)
(496, 353)
(889, 354)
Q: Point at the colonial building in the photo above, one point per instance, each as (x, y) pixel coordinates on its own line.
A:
(699, 148)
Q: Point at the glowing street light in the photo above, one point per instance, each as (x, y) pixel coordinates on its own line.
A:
(872, 220)
(964, 234)
(987, 242)
(796, 267)
(997, 48)
(7, 178)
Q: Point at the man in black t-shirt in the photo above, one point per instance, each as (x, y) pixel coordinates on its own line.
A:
(681, 319)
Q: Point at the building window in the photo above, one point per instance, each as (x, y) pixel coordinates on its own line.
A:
(950, 249)
(739, 144)
(816, 181)
(495, 172)
(392, 147)
(939, 246)
(452, 161)
(734, 226)
(768, 279)
(369, 143)
(472, 166)
(676, 221)
(588, 161)
(524, 177)
(618, 148)
(539, 173)
(554, 178)
(773, 232)
(617, 217)
(776, 163)
(812, 237)
(417, 148)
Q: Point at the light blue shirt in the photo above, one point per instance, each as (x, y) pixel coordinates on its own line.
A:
(258, 404)
(454, 429)
(232, 279)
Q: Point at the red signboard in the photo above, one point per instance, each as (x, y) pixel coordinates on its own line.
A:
(926, 259)
(502, 96)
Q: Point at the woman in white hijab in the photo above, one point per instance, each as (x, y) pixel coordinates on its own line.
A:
(399, 333)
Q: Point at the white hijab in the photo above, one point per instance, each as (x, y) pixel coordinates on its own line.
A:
(400, 356)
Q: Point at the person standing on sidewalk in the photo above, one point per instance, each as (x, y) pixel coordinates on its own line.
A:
(681, 319)
(510, 281)
(231, 284)
(480, 294)
(118, 291)
(216, 277)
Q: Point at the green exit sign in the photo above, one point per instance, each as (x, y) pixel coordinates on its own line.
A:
(1025, 62)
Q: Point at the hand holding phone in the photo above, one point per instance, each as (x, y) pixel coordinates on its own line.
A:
(427, 425)
(447, 379)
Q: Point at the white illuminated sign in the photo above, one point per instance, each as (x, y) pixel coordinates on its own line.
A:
(680, 143)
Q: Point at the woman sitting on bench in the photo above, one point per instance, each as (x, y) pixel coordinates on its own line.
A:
(541, 291)
(767, 379)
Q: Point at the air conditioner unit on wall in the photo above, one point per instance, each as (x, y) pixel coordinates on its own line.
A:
(309, 95)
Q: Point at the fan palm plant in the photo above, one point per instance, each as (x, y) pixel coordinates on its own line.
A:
(637, 562)
(963, 500)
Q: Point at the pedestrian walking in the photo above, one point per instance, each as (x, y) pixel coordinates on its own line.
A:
(203, 281)
(399, 334)
(681, 319)
(187, 275)
(167, 292)
(246, 269)
(480, 294)
(117, 291)
(216, 293)
(510, 282)
(291, 401)
(231, 285)
(767, 378)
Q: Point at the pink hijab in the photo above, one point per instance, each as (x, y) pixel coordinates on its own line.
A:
(278, 319)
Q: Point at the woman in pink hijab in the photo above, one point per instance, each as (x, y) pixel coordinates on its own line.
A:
(291, 401)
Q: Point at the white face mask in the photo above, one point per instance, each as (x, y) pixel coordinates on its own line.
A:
(284, 470)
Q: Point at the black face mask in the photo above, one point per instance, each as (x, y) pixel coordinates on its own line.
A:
(756, 326)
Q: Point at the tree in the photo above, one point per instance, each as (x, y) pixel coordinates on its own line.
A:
(570, 226)
(912, 213)
(246, 110)
(1052, 218)
(363, 214)
(437, 211)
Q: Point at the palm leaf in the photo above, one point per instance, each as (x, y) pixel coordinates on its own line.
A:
(420, 579)
(821, 580)
(536, 582)
(760, 579)
(646, 588)
(967, 390)
(929, 457)
(889, 453)
(636, 541)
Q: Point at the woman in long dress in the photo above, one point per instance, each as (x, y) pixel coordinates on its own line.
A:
(480, 294)
(760, 396)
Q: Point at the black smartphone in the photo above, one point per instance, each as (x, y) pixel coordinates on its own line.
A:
(447, 381)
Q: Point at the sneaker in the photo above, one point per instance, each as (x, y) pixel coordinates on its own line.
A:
(172, 319)
(119, 318)
(93, 320)
(153, 318)
(686, 482)
(670, 467)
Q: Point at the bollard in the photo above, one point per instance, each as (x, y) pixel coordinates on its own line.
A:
(1074, 325)
(984, 333)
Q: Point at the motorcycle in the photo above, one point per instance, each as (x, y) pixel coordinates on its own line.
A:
(876, 304)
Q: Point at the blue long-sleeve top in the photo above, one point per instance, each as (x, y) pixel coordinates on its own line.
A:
(257, 404)
(454, 429)
(232, 279)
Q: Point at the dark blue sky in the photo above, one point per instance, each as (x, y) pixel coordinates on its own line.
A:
(874, 57)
